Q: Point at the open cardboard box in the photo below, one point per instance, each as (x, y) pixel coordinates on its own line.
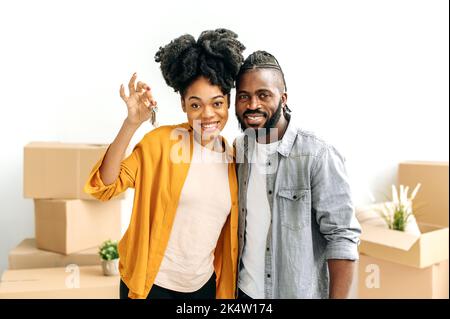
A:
(84, 282)
(412, 263)
(54, 170)
(422, 251)
(432, 245)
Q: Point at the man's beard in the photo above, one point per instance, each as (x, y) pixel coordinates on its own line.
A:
(270, 123)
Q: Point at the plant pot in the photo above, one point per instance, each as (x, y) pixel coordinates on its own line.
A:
(110, 267)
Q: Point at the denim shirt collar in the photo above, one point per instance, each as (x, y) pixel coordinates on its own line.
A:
(288, 140)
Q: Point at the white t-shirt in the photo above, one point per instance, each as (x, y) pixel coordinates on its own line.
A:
(251, 275)
(203, 208)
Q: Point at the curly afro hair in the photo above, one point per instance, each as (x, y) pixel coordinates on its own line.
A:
(216, 55)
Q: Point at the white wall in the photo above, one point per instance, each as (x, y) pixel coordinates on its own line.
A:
(369, 76)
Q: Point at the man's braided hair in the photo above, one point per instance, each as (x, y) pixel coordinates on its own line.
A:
(262, 60)
(216, 55)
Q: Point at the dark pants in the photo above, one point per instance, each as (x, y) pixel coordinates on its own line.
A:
(242, 295)
(208, 291)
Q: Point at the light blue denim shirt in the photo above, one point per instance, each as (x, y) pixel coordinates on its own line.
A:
(312, 216)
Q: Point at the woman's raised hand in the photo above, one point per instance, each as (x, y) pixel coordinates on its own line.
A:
(139, 103)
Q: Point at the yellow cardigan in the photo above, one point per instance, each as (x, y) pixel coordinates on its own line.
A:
(158, 182)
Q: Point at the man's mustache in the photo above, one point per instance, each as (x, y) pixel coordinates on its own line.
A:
(250, 112)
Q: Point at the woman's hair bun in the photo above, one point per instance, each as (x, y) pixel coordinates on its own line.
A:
(216, 55)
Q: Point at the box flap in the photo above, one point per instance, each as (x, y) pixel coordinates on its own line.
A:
(388, 237)
(431, 203)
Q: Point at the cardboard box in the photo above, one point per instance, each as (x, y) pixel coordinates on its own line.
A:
(54, 170)
(70, 226)
(411, 266)
(431, 246)
(422, 251)
(379, 279)
(59, 283)
(26, 255)
(432, 198)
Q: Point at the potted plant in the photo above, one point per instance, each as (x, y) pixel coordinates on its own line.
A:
(400, 214)
(110, 258)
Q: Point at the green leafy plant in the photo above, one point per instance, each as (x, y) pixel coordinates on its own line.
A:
(401, 211)
(398, 219)
(108, 250)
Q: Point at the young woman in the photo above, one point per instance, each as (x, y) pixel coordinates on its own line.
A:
(182, 238)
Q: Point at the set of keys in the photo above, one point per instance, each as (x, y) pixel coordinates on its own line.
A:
(153, 116)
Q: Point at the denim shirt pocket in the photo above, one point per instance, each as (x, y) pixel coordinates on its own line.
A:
(294, 207)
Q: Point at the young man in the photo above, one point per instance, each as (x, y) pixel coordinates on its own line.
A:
(298, 235)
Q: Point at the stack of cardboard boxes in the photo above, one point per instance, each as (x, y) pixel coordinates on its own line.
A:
(62, 261)
(395, 264)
